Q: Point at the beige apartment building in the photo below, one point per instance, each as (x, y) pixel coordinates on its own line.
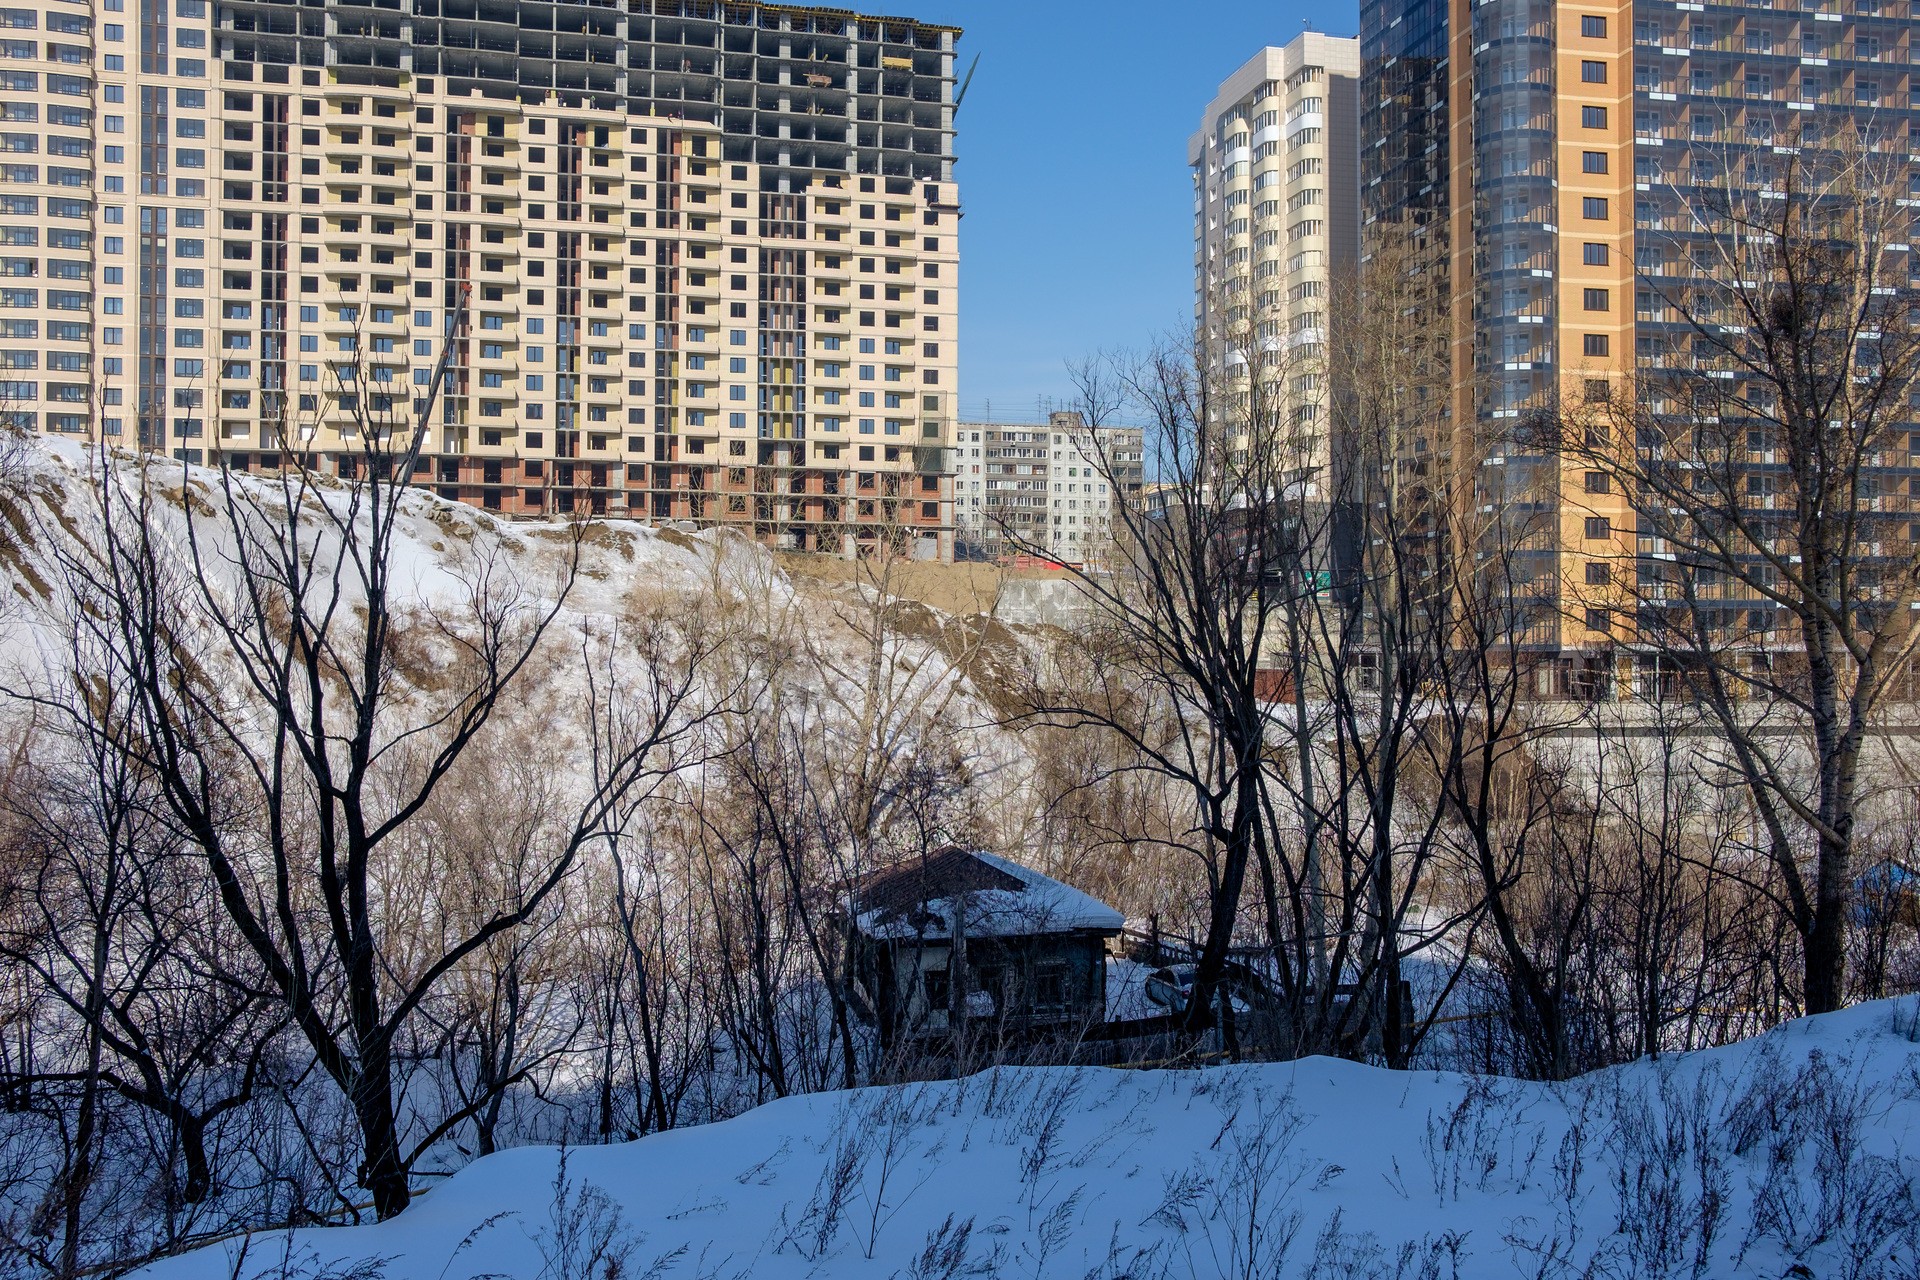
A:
(1275, 168)
(687, 260)
(1043, 490)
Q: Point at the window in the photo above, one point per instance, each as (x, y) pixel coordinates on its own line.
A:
(1593, 72)
(1593, 162)
(1595, 344)
(1599, 620)
(1598, 482)
(1594, 255)
(1599, 573)
(1593, 26)
(1593, 208)
(1050, 988)
(1593, 299)
(1598, 390)
(1593, 117)
(1599, 527)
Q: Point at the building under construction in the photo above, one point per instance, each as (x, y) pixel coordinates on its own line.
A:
(688, 260)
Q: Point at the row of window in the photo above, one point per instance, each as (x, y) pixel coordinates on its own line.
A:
(57, 269)
(57, 145)
(57, 361)
(60, 116)
(57, 331)
(69, 24)
(56, 299)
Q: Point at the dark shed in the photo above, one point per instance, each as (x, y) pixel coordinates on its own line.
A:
(1028, 953)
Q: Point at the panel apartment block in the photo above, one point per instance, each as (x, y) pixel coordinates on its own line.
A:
(1547, 156)
(1026, 491)
(690, 260)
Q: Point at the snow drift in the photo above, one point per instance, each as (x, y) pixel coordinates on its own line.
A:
(1791, 1154)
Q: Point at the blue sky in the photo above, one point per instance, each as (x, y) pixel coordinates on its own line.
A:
(1078, 232)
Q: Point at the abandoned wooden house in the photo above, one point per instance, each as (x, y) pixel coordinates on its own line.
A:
(964, 936)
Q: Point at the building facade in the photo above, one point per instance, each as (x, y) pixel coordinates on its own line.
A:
(1275, 170)
(1031, 491)
(1551, 159)
(686, 259)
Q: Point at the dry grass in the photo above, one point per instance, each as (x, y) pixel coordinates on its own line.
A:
(950, 588)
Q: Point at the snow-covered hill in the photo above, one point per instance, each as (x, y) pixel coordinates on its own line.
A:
(436, 543)
(1792, 1154)
(444, 553)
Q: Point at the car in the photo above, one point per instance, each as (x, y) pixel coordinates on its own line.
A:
(1171, 987)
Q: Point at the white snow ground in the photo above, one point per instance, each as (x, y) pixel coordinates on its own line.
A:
(1795, 1150)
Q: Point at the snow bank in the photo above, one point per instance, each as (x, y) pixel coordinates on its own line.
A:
(1797, 1149)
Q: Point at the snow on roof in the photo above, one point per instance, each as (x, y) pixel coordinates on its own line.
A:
(999, 899)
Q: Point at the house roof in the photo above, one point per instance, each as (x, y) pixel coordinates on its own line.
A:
(995, 897)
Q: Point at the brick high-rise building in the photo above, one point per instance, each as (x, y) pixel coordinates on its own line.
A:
(704, 255)
(1551, 158)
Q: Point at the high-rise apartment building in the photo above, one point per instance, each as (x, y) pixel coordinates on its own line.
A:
(1555, 159)
(1275, 168)
(1043, 490)
(692, 259)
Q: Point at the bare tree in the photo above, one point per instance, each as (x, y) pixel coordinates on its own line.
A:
(1376, 638)
(1270, 634)
(505, 1020)
(1752, 445)
(267, 654)
(1173, 664)
(648, 1012)
(113, 927)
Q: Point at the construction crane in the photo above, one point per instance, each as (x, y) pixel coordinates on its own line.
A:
(975, 66)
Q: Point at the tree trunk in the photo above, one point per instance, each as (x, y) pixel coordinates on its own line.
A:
(79, 1172)
(1224, 910)
(193, 1148)
(1826, 941)
(1391, 1049)
(381, 1170)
